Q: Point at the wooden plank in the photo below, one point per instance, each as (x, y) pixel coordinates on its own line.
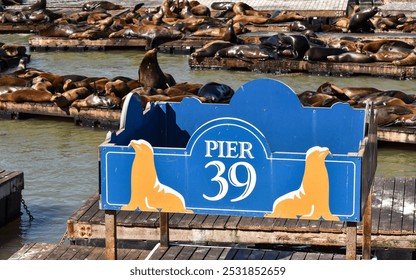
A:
(158, 253)
(271, 255)
(197, 221)
(214, 253)
(186, 253)
(313, 256)
(175, 219)
(95, 253)
(228, 254)
(172, 253)
(57, 253)
(200, 253)
(122, 253)
(140, 218)
(232, 222)
(220, 222)
(110, 235)
(377, 195)
(366, 233)
(98, 218)
(256, 255)
(84, 208)
(398, 206)
(209, 221)
(351, 242)
(242, 254)
(83, 252)
(69, 253)
(298, 256)
(409, 206)
(152, 220)
(164, 229)
(186, 221)
(325, 256)
(89, 214)
(386, 206)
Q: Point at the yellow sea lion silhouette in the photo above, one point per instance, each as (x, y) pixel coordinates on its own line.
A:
(147, 193)
(311, 200)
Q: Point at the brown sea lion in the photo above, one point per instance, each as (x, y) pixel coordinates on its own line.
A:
(409, 60)
(388, 56)
(66, 98)
(318, 53)
(151, 75)
(209, 49)
(9, 80)
(154, 34)
(285, 17)
(26, 95)
(14, 49)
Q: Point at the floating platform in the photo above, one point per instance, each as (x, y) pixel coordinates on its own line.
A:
(90, 117)
(110, 118)
(11, 186)
(45, 251)
(378, 69)
(393, 224)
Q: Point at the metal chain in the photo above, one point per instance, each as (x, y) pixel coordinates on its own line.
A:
(27, 210)
(63, 238)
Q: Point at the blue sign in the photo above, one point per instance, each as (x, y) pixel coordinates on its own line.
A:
(228, 159)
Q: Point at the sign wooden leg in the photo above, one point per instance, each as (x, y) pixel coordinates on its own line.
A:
(367, 228)
(110, 235)
(164, 230)
(351, 253)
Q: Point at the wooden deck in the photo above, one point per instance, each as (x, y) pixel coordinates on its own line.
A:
(377, 69)
(11, 186)
(393, 224)
(44, 251)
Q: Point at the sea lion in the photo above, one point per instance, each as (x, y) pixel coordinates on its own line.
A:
(360, 21)
(351, 56)
(409, 60)
(26, 95)
(93, 101)
(66, 98)
(222, 6)
(150, 73)
(209, 49)
(9, 80)
(297, 44)
(244, 52)
(39, 5)
(388, 56)
(183, 88)
(154, 35)
(62, 30)
(216, 93)
(245, 19)
(285, 17)
(106, 5)
(318, 53)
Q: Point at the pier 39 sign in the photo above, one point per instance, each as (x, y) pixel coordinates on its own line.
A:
(227, 167)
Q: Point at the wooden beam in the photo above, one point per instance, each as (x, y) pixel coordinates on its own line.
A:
(351, 241)
(366, 240)
(164, 230)
(110, 235)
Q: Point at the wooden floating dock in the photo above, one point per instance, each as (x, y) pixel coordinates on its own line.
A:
(393, 224)
(91, 117)
(45, 251)
(378, 69)
(110, 118)
(11, 186)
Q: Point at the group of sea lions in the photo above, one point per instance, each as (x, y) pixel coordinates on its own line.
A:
(79, 91)
(394, 107)
(308, 46)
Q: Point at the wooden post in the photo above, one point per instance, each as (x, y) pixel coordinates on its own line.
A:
(164, 229)
(351, 253)
(367, 227)
(110, 235)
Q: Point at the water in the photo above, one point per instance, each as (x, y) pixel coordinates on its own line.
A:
(59, 159)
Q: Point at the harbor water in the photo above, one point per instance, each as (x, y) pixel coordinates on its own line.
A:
(59, 159)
